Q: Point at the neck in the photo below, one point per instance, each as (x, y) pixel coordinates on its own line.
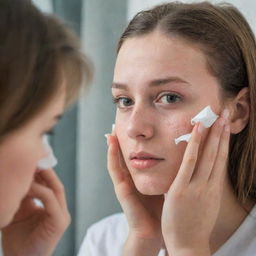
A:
(232, 214)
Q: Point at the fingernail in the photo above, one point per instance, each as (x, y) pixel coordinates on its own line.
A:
(226, 114)
(200, 128)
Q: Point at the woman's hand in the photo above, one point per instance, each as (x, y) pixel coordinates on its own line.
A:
(143, 213)
(193, 201)
(37, 230)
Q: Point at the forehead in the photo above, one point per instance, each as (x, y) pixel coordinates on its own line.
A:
(156, 54)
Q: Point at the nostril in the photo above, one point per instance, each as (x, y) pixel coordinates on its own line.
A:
(140, 124)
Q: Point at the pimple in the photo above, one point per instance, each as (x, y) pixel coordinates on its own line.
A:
(179, 126)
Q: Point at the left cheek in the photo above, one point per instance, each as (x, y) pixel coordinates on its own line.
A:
(37, 153)
(124, 143)
(177, 126)
(175, 129)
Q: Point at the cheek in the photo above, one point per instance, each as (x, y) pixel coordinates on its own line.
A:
(168, 128)
(172, 128)
(175, 126)
(17, 171)
(122, 136)
(25, 162)
(23, 158)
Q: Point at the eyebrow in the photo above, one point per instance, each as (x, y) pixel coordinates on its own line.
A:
(155, 82)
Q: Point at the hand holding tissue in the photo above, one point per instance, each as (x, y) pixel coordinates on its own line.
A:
(206, 117)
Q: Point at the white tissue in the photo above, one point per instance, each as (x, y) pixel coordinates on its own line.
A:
(38, 203)
(206, 117)
(50, 161)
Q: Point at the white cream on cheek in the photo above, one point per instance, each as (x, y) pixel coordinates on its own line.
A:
(206, 117)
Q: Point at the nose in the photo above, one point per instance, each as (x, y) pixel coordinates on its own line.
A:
(140, 124)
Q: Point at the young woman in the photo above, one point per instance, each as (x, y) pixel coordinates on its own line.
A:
(41, 71)
(194, 199)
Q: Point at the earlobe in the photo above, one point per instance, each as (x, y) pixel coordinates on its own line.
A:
(240, 111)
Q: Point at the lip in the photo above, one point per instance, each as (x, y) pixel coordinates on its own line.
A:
(144, 160)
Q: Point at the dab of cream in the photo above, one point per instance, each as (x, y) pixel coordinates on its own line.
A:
(206, 117)
(50, 161)
(185, 137)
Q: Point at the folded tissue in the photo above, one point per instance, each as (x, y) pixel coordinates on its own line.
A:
(206, 117)
(46, 163)
(50, 161)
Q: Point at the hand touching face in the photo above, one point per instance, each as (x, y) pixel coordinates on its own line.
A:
(20, 152)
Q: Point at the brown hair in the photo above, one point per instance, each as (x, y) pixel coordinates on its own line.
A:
(38, 55)
(228, 43)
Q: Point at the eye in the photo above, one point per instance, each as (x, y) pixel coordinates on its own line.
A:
(122, 102)
(50, 132)
(169, 98)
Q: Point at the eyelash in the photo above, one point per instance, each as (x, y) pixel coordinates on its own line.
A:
(117, 100)
(177, 97)
(50, 132)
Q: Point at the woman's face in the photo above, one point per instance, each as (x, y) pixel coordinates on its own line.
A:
(20, 152)
(159, 84)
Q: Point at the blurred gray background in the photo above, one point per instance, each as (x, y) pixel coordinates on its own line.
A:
(79, 141)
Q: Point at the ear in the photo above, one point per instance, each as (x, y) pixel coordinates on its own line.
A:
(240, 111)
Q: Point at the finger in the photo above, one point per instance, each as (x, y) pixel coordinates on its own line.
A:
(48, 198)
(218, 173)
(115, 161)
(52, 181)
(210, 150)
(26, 209)
(190, 156)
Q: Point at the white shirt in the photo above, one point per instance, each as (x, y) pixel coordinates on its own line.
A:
(107, 237)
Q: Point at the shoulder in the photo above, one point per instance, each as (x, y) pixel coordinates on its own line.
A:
(243, 241)
(102, 235)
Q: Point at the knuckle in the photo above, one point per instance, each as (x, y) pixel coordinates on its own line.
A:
(61, 188)
(212, 155)
(191, 160)
(198, 192)
(217, 128)
(68, 219)
(65, 221)
(213, 193)
(178, 194)
(223, 155)
(211, 190)
(49, 192)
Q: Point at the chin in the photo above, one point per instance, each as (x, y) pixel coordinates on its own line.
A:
(151, 186)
